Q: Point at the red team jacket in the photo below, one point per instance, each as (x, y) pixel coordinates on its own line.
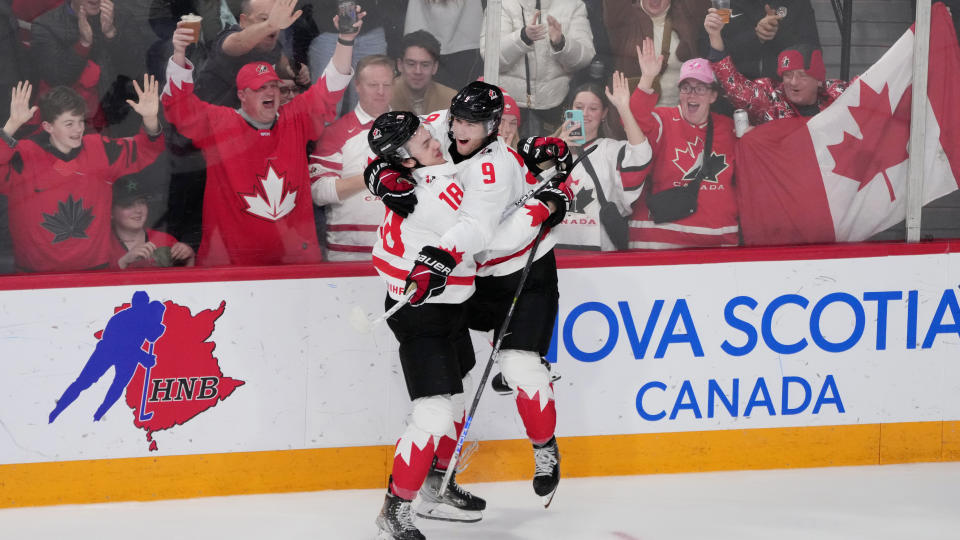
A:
(60, 204)
(257, 208)
(676, 146)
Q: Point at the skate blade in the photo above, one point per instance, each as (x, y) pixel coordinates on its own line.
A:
(548, 498)
(446, 512)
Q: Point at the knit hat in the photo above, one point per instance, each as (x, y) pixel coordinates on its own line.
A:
(510, 107)
(255, 74)
(802, 56)
(699, 69)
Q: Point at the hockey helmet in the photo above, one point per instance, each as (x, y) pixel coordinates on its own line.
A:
(479, 102)
(390, 131)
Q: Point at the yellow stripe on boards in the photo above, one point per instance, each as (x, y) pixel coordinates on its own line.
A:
(171, 477)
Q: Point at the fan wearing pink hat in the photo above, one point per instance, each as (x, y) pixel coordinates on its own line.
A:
(681, 162)
(803, 88)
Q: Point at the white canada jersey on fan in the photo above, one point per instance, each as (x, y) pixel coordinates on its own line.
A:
(493, 179)
(400, 240)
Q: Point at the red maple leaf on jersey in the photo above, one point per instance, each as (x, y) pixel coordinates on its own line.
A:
(884, 142)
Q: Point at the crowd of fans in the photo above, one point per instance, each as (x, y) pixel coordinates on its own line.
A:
(298, 80)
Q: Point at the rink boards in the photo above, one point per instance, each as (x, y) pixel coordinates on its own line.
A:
(670, 362)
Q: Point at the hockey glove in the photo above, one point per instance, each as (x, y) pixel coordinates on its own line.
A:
(560, 196)
(430, 273)
(537, 150)
(392, 185)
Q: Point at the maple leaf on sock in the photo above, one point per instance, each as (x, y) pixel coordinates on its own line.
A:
(70, 221)
(885, 137)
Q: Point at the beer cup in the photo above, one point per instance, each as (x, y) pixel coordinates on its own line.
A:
(723, 9)
(193, 22)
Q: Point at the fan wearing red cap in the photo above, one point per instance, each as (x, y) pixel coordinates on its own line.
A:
(257, 208)
(803, 89)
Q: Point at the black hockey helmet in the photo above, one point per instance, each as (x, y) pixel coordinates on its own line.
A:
(479, 102)
(390, 131)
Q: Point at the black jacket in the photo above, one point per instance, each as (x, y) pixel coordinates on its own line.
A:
(753, 58)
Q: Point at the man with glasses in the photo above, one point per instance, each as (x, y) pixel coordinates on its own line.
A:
(415, 88)
(803, 89)
(679, 136)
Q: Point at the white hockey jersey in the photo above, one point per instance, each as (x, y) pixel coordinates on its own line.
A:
(343, 152)
(439, 195)
(611, 162)
(493, 179)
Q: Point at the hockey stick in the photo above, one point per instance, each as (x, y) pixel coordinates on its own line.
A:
(486, 370)
(361, 323)
(144, 416)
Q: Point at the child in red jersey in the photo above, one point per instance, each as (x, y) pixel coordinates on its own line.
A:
(134, 245)
(58, 182)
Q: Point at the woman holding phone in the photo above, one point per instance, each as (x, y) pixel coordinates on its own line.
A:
(606, 183)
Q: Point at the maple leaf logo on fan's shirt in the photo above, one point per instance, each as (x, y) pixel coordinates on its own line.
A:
(270, 200)
(70, 221)
(581, 200)
(885, 137)
(689, 162)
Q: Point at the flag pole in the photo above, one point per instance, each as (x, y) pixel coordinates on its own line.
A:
(491, 49)
(918, 119)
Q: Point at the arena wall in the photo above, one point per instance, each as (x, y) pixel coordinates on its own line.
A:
(671, 362)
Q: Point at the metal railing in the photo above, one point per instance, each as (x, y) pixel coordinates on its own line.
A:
(843, 11)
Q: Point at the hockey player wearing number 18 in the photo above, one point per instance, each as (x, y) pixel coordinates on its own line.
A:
(435, 349)
(493, 177)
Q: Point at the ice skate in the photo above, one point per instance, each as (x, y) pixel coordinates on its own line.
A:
(456, 504)
(396, 520)
(547, 475)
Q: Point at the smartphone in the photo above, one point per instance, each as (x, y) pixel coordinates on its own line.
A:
(575, 116)
(347, 13)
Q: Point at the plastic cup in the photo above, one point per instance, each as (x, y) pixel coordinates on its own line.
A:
(194, 22)
(723, 9)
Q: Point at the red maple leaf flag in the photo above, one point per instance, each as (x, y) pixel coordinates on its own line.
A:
(842, 175)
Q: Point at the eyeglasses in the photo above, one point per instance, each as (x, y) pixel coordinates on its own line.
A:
(286, 91)
(699, 89)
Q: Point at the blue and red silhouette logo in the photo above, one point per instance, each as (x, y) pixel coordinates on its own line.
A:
(162, 361)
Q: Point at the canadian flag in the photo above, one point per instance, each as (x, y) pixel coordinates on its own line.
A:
(841, 175)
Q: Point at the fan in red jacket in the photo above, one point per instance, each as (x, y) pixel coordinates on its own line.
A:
(59, 182)
(678, 135)
(257, 207)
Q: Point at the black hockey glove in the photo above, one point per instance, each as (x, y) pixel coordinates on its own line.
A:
(392, 185)
(560, 196)
(537, 150)
(430, 273)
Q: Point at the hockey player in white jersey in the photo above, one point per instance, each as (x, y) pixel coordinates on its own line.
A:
(493, 178)
(435, 349)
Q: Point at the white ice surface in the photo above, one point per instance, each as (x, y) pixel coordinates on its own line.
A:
(902, 502)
